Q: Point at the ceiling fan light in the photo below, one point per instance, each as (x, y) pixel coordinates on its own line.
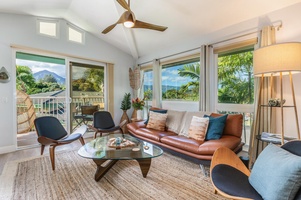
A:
(128, 24)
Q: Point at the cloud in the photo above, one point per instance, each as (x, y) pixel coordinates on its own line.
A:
(40, 66)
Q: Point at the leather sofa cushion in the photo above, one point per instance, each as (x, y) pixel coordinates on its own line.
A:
(199, 147)
(182, 142)
(208, 147)
(153, 134)
(234, 124)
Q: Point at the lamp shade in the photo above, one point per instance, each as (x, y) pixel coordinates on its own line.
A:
(283, 57)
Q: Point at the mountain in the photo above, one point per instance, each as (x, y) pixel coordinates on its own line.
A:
(164, 88)
(41, 74)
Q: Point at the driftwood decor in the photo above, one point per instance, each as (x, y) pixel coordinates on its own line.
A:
(4, 76)
(135, 81)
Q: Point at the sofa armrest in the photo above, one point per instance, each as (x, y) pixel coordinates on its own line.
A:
(133, 126)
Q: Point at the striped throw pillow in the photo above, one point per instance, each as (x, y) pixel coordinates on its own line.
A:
(198, 128)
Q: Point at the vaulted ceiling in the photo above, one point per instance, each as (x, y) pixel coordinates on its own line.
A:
(185, 19)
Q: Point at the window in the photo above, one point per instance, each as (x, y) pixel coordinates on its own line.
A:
(148, 84)
(180, 80)
(49, 28)
(235, 86)
(75, 35)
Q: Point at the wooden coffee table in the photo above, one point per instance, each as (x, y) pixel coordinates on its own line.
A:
(106, 156)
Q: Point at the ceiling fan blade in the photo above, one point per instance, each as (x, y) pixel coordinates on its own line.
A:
(109, 28)
(121, 19)
(124, 4)
(140, 24)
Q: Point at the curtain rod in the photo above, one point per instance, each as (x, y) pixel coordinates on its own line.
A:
(233, 38)
(175, 54)
(226, 40)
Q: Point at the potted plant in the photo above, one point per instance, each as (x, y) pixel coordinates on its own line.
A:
(138, 104)
(125, 105)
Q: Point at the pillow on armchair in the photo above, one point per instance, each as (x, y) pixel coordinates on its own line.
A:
(276, 174)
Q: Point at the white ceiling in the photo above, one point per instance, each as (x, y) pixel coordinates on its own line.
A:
(184, 19)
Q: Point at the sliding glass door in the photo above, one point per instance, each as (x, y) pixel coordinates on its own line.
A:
(87, 83)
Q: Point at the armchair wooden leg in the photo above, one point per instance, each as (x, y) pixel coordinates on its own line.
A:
(82, 141)
(42, 149)
(52, 157)
(95, 134)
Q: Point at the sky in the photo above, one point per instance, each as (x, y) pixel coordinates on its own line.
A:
(170, 77)
(40, 66)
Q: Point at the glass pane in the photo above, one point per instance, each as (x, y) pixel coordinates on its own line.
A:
(148, 84)
(180, 81)
(235, 78)
(48, 28)
(87, 88)
(40, 91)
(75, 35)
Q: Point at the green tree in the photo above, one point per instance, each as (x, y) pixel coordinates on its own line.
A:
(92, 80)
(24, 79)
(49, 78)
(236, 83)
(148, 94)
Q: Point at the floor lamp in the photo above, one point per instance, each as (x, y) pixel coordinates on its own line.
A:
(278, 60)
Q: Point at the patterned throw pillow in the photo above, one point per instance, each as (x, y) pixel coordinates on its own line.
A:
(157, 121)
(153, 109)
(198, 128)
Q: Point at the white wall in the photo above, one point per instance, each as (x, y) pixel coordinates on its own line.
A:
(21, 30)
(290, 32)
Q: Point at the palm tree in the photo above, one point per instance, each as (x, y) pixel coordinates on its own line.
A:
(191, 71)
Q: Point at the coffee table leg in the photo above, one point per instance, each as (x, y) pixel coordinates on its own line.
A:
(144, 165)
(102, 169)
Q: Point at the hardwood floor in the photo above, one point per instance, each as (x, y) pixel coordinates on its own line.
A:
(35, 151)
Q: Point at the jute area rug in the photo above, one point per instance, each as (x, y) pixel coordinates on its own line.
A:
(169, 177)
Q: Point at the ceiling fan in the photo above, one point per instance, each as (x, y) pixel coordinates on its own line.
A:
(129, 20)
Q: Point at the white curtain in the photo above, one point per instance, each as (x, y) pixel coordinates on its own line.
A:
(157, 99)
(267, 37)
(206, 77)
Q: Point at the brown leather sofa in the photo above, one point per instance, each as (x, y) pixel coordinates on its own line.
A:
(190, 148)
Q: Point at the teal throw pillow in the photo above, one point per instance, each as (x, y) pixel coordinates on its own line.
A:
(157, 111)
(216, 127)
(276, 174)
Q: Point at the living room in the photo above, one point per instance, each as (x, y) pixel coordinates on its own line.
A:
(19, 34)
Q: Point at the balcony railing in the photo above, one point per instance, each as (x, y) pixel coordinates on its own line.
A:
(57, 106)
